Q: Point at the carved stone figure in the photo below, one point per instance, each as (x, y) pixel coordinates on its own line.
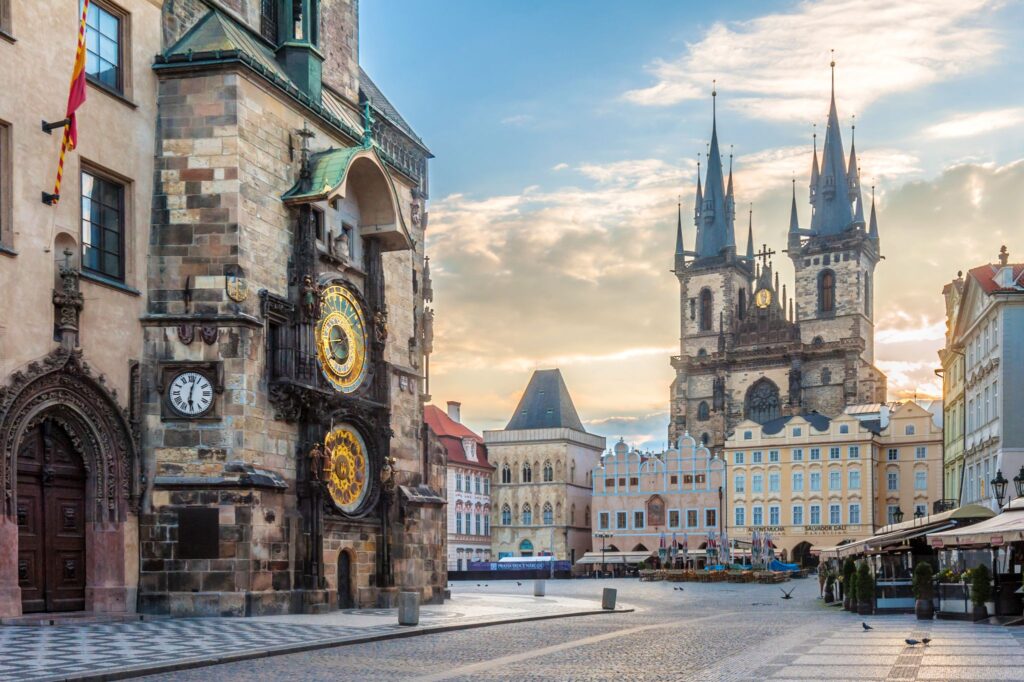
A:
(310, 298)
(380, 326)
(795, 377)
(318, 462)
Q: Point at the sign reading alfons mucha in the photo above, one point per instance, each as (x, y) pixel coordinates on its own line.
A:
(341, 339)
(347, 474)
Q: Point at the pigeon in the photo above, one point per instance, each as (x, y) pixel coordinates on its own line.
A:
(519, 583)
(786, 595)
(478, 584)
(866, 627)
(925, 640)
(912, 642)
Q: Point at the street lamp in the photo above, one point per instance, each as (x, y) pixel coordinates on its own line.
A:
(918, 514)
(897, 516)
(603, 536)
(999, 487)
(1018, 482)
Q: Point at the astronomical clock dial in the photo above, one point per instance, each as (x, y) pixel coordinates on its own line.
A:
(347, 468)
(763, 298)
(341, 339)
(190, 394)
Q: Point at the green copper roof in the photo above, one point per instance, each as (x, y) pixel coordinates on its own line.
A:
(216, 32)
(327, 171)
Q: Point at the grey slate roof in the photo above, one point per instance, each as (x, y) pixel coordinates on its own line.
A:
(379, 102)
(818, 421)
(545, 404)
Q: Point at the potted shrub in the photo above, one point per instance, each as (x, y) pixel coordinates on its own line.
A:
(924, 591)
(865, 590)
(830, 583)
(849, 586)
(981, 591)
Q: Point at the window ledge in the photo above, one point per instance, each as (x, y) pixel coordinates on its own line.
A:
(112, 93)
(111, 283)
(7, 36)
(7, 251)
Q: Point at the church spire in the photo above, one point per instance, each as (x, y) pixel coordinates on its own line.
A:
(679, 229)
(853, 179)
(730, 199)
(815, 173)
(699, 201)
(794, 219)
(715, 229)
(873, 228)
(750, 236)
(833, 212)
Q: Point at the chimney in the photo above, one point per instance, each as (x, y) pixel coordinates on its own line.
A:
(455, 411)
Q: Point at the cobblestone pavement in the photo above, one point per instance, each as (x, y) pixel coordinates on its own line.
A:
(704, 632)
(71, 652)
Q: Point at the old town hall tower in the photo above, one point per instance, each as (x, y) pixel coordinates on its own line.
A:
(746, 352)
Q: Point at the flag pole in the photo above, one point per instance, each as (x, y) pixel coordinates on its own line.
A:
(76, 96)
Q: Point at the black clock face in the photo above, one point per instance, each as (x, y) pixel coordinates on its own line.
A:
(190, 394)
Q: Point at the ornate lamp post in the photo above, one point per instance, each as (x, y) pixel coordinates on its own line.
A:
(918, 515)
(897, 516)
(999, 487)
(603, 536)
(1018, 483)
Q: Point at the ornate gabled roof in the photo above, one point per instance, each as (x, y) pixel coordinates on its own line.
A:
(545, 404)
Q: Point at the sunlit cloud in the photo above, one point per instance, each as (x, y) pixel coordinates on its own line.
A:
(517, 120)
(976, 123)
(773, 65)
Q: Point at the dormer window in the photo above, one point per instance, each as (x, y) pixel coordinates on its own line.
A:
(1004, 278)
(469, 446)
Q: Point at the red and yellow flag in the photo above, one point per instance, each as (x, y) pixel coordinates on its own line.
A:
(76, 97)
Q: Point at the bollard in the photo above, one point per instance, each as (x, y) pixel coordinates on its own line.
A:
(608, 599)
(409, 608)
(538, 588)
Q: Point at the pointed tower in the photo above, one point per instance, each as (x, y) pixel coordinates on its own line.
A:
(750, 236)
(853, 182)
(833, 213)
(698, 203)
(716, 230)
(680, 260)
(794, 222)
(873, 227)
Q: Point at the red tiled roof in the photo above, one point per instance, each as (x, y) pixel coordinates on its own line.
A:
(985, 276)
(451, 433)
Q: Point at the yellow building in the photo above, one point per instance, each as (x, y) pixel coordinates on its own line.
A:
(810, 480)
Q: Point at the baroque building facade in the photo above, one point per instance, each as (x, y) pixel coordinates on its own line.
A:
(469, 485)
(746, 350)
(543, 462)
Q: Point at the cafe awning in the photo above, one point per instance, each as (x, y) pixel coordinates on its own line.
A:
(999, 530)
(615, 558)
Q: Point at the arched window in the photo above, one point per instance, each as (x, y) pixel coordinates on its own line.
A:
(763, 403)
(549, 472)
(506, 515)
(826, 291)
(867, 293)
(527, 473)
(705, 310)
(506, 474)
(703, 411)
(549, 515)
(705, 438)
(586, 517)
(743, 303)
(526, 548)
(572, 514)
(826, 376)
(817, 341)
(527, 515)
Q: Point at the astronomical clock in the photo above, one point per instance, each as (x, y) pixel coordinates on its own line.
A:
(346, 468)
(341, 340)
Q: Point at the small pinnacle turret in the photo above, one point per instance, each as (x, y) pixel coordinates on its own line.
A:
(750, 236)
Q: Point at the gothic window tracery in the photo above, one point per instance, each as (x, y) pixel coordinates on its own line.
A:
(549, 473)
(527, 515)
(703, 412)
(506, 515)
(506, 474)
(763, 403)
(549, 517)
(527, 475)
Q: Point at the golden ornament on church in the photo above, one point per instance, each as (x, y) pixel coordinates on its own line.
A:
(347, 470)
(763, 298)
(341, 339)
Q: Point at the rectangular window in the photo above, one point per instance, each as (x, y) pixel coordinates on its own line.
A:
(458, 483)
(104, 38)
(893, 455)
(102, 226)
(798, 482)
(773, 515)
(487, 525)
(674, 479)
(634, 481)
(710, 518)
(773, 455)
(833, 453)
(268, 20)
(6, 174)
(815, 515)
(920, 510)
(476, 485)
(602, 520)
(774, 482)
(921, 452)
(757, 483)
(757, 457)
(854, 514)
(621, 520)
(487, 486)
(638, 519)
(798, 515)
(854, 451)
(854, 482)
(673, 518)
(797, 432)
(458, 522)
(920, 480)
(609, 483)
(738, 458)
(834, 515)
(835, 480)
(758, 516)
(815, 482)
(740, 514)
(740, 483)
(995, 392)
(691, 518)
(892, 512)
(894, 481)
(479, 525)
(815, 454)
(798, 454)
(700, 478)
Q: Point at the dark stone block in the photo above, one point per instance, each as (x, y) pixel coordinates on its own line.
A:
(153, 582)
(176, 234)
(150, 565)
(183, 582)
(282, 581)
(218, 582)
(243, 515)
(184, 497)
(230, 533)
(203, 201)
(154, 604)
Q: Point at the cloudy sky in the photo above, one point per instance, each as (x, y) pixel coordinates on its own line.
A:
(565, 132)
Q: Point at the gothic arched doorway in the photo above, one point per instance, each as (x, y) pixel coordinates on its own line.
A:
(763, 404)
(345, 600)
(51, 521)
(802, 555)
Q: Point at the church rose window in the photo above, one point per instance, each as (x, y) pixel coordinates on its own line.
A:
(763, 403)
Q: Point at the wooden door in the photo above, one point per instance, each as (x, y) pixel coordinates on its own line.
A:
(51, 522)
(345, 600)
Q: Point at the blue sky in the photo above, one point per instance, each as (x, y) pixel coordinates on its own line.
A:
(564, 131)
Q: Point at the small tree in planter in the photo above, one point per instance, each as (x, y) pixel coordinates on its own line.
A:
(924, 591)
(865, 590)
(830, 584)
(981, 591)
(849, 584)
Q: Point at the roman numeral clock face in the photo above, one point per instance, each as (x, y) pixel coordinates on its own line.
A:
(190, 394)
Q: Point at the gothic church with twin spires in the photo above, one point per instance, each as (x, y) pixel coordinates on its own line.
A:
(748, 352)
